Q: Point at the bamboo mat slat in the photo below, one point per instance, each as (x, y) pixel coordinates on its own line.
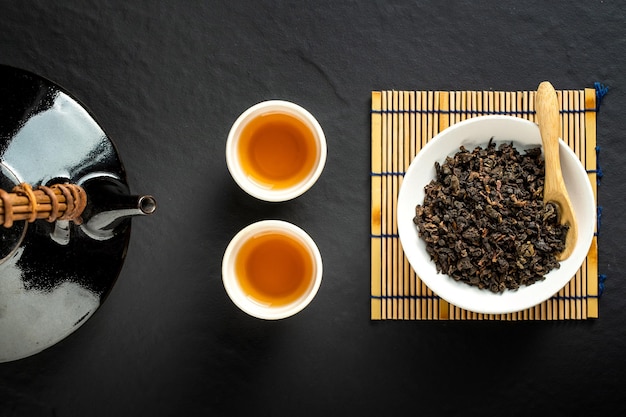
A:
(402, 122)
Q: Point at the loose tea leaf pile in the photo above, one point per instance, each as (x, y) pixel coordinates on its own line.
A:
(484, 221)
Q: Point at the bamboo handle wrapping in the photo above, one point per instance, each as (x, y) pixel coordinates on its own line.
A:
(57, 202)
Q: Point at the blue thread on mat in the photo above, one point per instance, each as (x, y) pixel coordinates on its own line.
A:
(601, 280)
(438, 111)
(598, 221)
(472, 111)
(599, 175)
(388, 173)
(385, 236)
(436, 297)
(404, 297)
(599, 172)
(570, 297)
(601, 91)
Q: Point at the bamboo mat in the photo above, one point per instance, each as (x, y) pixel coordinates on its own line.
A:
(403, 122)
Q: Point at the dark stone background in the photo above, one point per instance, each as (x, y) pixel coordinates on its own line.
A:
(167, 79)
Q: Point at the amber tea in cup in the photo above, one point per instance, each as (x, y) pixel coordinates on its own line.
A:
(272, 269)
(276, 150)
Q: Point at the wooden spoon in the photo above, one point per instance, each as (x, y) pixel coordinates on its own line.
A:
(547, 108)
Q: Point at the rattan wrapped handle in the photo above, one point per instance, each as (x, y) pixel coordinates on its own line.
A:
(57, 202)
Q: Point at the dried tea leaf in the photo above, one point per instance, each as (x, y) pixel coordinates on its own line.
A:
(484, 221)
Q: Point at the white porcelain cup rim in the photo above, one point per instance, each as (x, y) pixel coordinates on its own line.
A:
(234, 289)
(244, 181)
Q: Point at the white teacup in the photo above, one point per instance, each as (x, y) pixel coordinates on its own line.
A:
(272, 269)
(276, 150)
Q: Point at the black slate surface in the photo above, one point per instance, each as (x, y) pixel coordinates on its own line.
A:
(165, 80)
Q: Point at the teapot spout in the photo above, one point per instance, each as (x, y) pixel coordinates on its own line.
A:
(146, 204)
(110, 207)
(136, 206)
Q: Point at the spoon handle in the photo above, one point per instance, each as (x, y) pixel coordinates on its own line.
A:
(547, 109)
(548, 118)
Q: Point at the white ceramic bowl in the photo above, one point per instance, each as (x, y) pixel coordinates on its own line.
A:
(477, 132)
